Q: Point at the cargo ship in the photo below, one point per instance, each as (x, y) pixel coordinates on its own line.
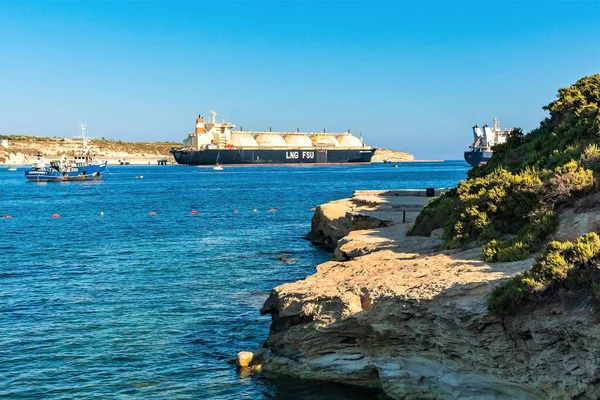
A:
(484, 140)
(217, 143)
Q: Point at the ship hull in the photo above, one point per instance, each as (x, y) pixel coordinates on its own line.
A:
(476, 158)
(87, 173)
(271, 156)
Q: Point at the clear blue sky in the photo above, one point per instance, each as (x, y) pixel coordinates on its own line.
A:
(413, 76)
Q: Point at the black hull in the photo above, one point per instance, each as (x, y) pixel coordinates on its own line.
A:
(476, 158)
(271, 156)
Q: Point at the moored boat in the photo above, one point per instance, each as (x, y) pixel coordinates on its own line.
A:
(215, 142)
(484, 140)
(79, 166)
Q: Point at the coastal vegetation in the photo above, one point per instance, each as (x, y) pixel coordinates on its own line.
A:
(563, 265)
(510, 205)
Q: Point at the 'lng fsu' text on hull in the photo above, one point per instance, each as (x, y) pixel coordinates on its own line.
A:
(81, 166)
(216, 143)
(484, 140)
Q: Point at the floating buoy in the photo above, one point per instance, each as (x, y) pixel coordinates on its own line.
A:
(313, 209)
(255, 210)
(152, 213)
(272, 210)
(102, 213)
(55, 215)
(140, 176)
(194, 211)
(6, 217)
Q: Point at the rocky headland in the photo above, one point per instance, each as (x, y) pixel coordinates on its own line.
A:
(392, 311)
(490, 291)
(382, 155)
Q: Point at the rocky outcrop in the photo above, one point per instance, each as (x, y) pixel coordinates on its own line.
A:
(391, 156)
(414, 322)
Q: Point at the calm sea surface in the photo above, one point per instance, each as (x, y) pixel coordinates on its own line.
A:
(133, 305)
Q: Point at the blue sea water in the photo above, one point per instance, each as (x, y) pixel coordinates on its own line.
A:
(140, 306)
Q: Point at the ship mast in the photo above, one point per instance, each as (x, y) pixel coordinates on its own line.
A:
(496, 126)
(83, 128)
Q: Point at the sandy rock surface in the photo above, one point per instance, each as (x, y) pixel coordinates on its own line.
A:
(394, 312)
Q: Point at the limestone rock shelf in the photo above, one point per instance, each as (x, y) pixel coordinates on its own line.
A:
(393, 312)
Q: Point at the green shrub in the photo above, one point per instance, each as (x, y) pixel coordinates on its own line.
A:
(569, 180)
(435, 214)
(493, 206)
(527, 240)
(563, 264)
(590, 158)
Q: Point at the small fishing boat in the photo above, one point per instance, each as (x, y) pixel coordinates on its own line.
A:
(218, 167)
(80, 166)
(12, 169)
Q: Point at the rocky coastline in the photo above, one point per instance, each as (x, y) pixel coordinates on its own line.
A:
(22, 150)
(394, 312)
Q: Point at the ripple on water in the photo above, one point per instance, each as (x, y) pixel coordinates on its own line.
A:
(154, 306)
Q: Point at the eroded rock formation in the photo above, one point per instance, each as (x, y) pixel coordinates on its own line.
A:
(391, 312)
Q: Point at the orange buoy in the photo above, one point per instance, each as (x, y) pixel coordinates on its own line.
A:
(152, 213)
(55, 215)
(194, 211)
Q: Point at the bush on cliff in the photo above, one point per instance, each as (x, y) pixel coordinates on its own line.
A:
(563, 265)
(509, 205)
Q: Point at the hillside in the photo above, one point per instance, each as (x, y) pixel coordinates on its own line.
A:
(23, 149)
(391, 155)
(513, 204)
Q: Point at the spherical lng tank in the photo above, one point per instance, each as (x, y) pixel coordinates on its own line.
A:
(243, 140)
(326, 141)
(270, 140)
(298, 141)
(349, 141)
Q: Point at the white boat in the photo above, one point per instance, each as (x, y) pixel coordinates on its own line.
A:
(12, 169)
(218, 168)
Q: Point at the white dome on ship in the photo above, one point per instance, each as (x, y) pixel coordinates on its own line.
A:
(243, 140)
(349, 141)
(298, 141)
(270, 140)
(329, 141)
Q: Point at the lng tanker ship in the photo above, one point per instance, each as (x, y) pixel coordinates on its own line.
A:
(217, 143)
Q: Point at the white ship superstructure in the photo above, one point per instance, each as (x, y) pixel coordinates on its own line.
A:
(484, 140)
(221, 135)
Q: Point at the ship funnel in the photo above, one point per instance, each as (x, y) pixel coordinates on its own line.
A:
(199, 125)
